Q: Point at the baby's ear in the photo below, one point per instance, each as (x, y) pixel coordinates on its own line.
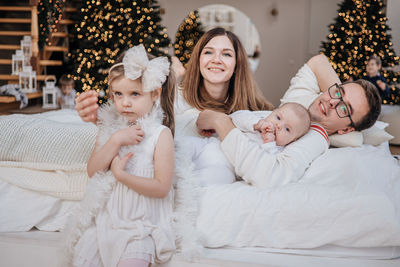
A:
(155, 94)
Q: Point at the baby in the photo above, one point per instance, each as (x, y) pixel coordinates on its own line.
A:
(66, 98)
(281, 127)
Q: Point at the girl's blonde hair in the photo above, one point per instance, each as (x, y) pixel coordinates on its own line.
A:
(243, 92)
(167, 91)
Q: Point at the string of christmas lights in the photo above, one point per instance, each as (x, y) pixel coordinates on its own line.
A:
(189, 32)
(49, 14)
(105, 30)
(360, 31)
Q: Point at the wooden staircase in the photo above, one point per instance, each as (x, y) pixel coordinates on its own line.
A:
(18, 21)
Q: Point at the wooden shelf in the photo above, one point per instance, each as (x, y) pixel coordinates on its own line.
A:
(11, 99)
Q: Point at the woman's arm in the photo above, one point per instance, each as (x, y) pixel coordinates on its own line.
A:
(86, 105)
(323, 71)
(163, 169)
(100, 159)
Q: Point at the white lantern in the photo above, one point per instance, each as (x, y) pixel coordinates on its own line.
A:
(50, 93)
(27, 80)
(26, 47)
(17, 62)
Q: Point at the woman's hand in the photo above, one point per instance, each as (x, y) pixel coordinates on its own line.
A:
(130, 136)
(177, 67)
(86, 105)
(209, 122)
(118, 165)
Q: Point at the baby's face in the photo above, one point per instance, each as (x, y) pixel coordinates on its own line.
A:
(66, 89)
(288, 125)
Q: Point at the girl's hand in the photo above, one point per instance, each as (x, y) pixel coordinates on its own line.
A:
(130, 136)
(86, 105)
(118, 165)
(381, 85)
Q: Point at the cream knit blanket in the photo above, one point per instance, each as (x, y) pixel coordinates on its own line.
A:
(44, 155)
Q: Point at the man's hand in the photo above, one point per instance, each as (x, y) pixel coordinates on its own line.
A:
(210, 121)
(86, 105)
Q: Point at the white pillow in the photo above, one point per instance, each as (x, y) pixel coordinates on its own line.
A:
(374, 135)
(29, 138)
(353, 139)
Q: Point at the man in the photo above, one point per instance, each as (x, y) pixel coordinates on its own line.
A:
(338, 108)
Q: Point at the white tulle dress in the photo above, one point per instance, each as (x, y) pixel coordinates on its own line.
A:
(115, 222)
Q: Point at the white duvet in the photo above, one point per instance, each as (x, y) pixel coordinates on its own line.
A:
(348, 197)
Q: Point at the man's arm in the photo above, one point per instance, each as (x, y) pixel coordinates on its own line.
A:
(323, 71)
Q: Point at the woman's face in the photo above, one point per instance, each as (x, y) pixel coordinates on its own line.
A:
(217, 63)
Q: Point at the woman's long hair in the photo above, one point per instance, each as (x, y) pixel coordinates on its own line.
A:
(243, 92)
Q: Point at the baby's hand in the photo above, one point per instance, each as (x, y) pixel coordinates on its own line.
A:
(267, 130)
(118, 165)
(268, 137)
(130, 136)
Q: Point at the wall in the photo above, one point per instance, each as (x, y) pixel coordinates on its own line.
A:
(393, 10)
(288, 40)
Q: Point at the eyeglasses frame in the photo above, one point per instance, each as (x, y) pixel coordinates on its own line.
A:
(341, 90)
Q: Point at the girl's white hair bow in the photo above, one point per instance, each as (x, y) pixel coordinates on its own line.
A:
(153, 72)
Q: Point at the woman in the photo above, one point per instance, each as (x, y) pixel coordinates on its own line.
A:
(218, 77)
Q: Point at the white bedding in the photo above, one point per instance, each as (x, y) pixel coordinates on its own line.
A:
(44, 249)
(353, 204)
(348, 197)
(46, 152)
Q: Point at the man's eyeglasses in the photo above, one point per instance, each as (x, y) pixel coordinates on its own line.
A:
(336, 92)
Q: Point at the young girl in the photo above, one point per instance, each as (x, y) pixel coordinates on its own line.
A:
(125, 217)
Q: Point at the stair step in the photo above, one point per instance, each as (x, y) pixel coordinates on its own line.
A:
(50, 63)
(9, 47)
(9, 77)
(66, 22)
(5, 61)
(14, 33)
(71, 9)
(15, 8)
(59, 34)
(14, 20)
(10, 99)
(56, 48)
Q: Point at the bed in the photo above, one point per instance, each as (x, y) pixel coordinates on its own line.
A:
(333, 217)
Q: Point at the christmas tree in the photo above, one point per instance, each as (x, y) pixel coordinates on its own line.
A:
(49, 14)
(360, 31)
(188, 34)
(106, 29)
